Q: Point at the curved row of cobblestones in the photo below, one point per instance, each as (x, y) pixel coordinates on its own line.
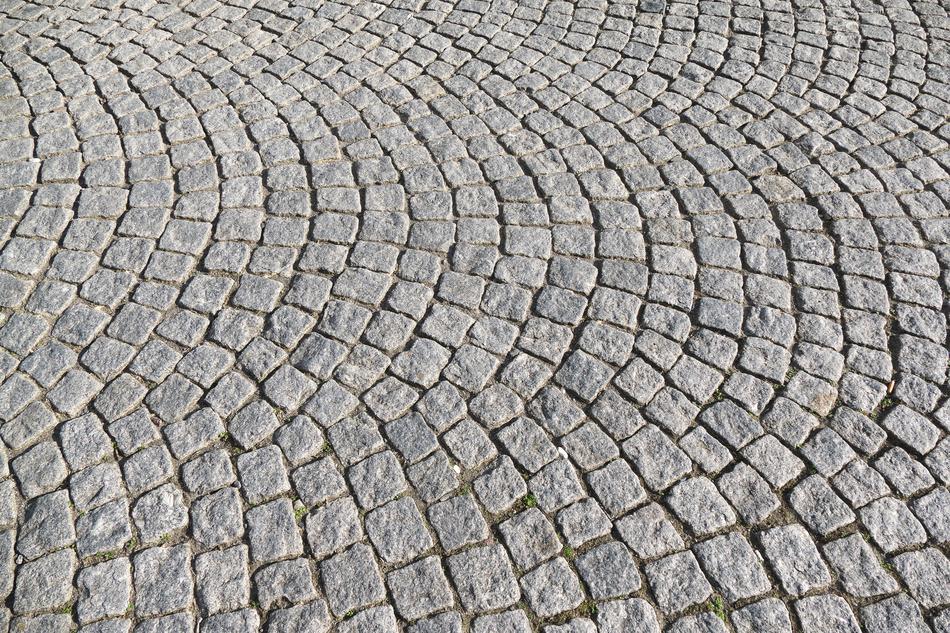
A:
(478, 316)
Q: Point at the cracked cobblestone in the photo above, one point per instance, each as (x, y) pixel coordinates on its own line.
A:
(502, 317)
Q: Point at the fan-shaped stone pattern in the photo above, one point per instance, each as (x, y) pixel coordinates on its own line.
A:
(451, 316)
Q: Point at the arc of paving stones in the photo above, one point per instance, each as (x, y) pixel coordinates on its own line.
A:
(310, 173)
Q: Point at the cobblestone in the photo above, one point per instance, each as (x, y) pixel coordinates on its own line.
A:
(491, 317)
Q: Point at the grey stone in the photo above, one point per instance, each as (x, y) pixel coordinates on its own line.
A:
(39, 470)
(332, 527)
(897, 613)
(699, 505)
(289, 580)
(244, 621)
(105, 529)
(300, 440)
(273, 533)
(589, 447)
(104, 590)
(748, 493)
(649, 532)
(678, 582)
(434, 477)
(163, 580)
(530, 538)
(556, 485)
(509, 622)
(933, 510)
(577, 625)
(711, 455)
(262, 474)
(412, 437)
(209, 472)
(616, 487)
(733, 566)
(458, 522)
(443, 623)
(925, 572)
(133, 431)
(609, 571)
(702, 623)
(252, 424)
(380, 619)
(318, 481)
(417, 282)
(147, 468)
(96, 485)
(634, 615)
(892, 525)
(420, 589)
(794, 558)
(826, 613)
(655, 458)
(355, 438)
(83, 442)
(57, 623)
(47, 525)
(377, 479)
(500, 486)
(221, 580)
(216, 519)
(313, 617)
(859, 570)
(583, 522)
(159, 513)
(819, 506)
(178, 622)
(45, 583)
(469, 444)
(352, 580)
(397, 531)
(769, 615)
(484, 579)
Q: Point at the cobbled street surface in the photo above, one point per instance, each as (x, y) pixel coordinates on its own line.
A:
(433, 316)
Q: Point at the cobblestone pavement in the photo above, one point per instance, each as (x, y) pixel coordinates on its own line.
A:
(474, 315)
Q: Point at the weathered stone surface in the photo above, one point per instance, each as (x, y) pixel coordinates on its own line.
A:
(474, 316)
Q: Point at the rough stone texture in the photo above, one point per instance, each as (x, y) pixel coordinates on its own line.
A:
(352, 580)
(731, 563)
(829, 613)
(163, 580)
(678, 582)
(609, 571)
(420, 589)
(104, 590)
(491, 316)
(791, 552)
(483, 578)
(552, 588)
